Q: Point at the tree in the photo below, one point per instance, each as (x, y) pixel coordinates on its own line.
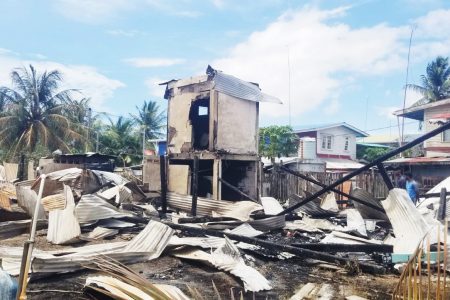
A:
(277, 141)
(150, 117)
(34, 113)
(435, 83)
(120, 139)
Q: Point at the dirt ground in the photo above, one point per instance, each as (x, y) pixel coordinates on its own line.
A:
(286, 276)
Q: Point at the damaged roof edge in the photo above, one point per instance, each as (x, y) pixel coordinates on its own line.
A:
(224, 83)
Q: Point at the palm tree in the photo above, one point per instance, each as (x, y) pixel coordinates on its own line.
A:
(151, 118)
(436, 83)
(120, 139)
(34, 113)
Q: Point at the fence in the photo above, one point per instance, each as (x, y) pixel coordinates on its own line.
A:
(281, 185)
(425, 274)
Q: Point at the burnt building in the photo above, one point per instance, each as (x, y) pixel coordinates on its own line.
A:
(213, 119)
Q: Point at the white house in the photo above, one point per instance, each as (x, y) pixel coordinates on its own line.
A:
(333, 143)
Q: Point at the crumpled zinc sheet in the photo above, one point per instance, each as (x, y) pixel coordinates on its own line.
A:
(63, 226)
(116, 287)
(408, 224)
(228, 258)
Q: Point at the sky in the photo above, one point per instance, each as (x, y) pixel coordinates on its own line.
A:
(328, 61)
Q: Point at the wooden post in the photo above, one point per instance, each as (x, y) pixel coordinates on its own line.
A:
(163, 175)
(194, 187)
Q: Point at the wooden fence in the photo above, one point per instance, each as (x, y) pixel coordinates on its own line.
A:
(281, 185)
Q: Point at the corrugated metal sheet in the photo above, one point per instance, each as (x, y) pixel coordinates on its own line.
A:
(149, 244)
(98, 233)
(355, 222)
(239, 210)
(238, 88)
(14, 228)
(153, 239)
(105, 177)
(311, 208)
(246, 230)
(368, 212)
(271, 206)
(63, 226)
(337, 237)
(120, 192)
(228, 258)
(91, 208)
(268, 224)
(408, 224)
(203, 242)
(26, 198)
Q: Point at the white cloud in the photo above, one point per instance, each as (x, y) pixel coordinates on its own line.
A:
(87, 79)
(101, 11)
(125, 33)
(324, 54)
(152, 62)
(387, 111)
(155, 89)
(93, 11)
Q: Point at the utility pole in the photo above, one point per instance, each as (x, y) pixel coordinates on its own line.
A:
(96, 142)
(89, 129)
(143, 144)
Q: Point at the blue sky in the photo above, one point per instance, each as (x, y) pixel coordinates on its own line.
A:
(347, 58)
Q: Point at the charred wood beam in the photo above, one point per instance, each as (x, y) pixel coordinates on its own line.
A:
(229, 185)
(385, 176)
(163, 177)
(312, 180)
(368, 166)
(367, 248)
(204, 219)
(194, 187)
(277, 248)
(442, 204)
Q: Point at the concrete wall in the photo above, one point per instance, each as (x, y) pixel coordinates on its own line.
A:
(151, 173)
(435, 146)
(337, 150)
(179, 129)
(237, 125)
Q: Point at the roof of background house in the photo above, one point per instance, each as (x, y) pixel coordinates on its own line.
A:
(387, 138)
(417, 112)
(372, 145)
(419, 160)
(308, 128)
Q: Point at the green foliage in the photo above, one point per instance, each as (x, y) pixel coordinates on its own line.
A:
(34, 113)
(370, 154)
(37, 117)
(435, 83)
(277, 141)
(121, 139)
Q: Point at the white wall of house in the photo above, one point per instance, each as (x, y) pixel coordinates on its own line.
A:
(441, 140)
(339, 137)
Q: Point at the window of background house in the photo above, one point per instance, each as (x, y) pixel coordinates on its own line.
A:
(202, 111)
(327, 142)
(346, 143)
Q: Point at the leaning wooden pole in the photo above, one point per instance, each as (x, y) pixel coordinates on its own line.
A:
(368, 166)
(28, 247)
